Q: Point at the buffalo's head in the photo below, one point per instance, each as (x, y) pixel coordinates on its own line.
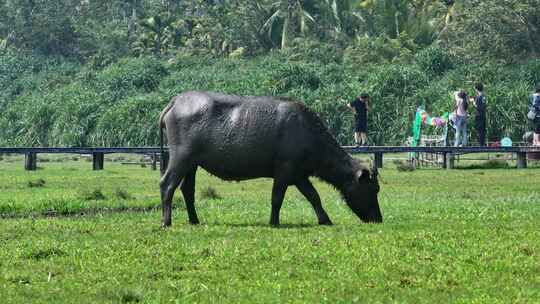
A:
(361, 195)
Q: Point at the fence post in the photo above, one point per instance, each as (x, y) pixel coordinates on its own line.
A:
(521, 160)
(450, 158)
(163, 162)
(154, 161)
(444, 156)
(378, 160)
(30, 161)
(98, 160)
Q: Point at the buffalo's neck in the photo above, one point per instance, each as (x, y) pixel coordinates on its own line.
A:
(336, 168)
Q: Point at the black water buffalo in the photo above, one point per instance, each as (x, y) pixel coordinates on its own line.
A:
(245, 137)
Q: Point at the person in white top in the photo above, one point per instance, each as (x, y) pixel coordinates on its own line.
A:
(460, 119)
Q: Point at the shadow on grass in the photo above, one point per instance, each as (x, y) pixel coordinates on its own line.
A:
(266, 225)
(90, 212)
(490, 164)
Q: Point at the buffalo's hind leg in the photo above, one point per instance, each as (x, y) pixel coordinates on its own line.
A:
(188, 190)
(176, 170)
(307, 189)
(169, 182)
(278, 193)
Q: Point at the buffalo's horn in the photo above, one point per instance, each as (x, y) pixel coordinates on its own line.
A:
(359, 174)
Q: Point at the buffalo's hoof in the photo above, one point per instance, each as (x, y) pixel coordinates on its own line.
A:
(326, 223)
(166, 221)
(194, 222)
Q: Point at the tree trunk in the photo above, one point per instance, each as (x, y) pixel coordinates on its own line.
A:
(529, 27)
(285, 33)
(370, 22)
(447, 18)
(157, 51)
(28, 15)
(396, 16)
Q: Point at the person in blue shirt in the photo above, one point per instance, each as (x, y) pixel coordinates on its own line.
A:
(360, 107)
(480, 102)
(535, 103)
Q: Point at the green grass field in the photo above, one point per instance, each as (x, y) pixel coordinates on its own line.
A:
(72, 235)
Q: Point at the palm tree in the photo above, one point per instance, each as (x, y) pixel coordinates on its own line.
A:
(450, 11)
(156, 32)
(418, 19)
(338, 9)
(285, 15)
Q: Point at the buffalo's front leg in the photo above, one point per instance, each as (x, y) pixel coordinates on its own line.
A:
(278, 193)
(307, 189)
(188, 190)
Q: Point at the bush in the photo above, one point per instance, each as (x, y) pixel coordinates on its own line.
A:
(530, 72)
(36, 183)
(92, 195)
(396, 80)
(210, 193)
(13, 66)
(433, 60)
(404, 166)
(379, 50)
(490, 164)
(77, 108)
(185, 62)
(293, 76)
(122, 194)
(27, 122)
(139, 74)
(307, 50)
(64, 105)
(394, 90)
(21, 72)
(235, 76)
(133, 122)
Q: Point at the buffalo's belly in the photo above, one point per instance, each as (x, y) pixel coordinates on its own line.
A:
(237, 169)
(237, 162)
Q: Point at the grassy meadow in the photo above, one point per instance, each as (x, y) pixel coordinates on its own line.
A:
(69, 234)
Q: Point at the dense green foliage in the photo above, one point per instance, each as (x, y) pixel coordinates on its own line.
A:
(98, 72)
(67, 242)
(58, 103)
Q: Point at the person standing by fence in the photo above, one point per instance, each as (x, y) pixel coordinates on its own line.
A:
(360, 107)
(535, 108)
(480, 103)
(460, 118)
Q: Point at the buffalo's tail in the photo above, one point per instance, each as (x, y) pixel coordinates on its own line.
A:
(161, 125)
